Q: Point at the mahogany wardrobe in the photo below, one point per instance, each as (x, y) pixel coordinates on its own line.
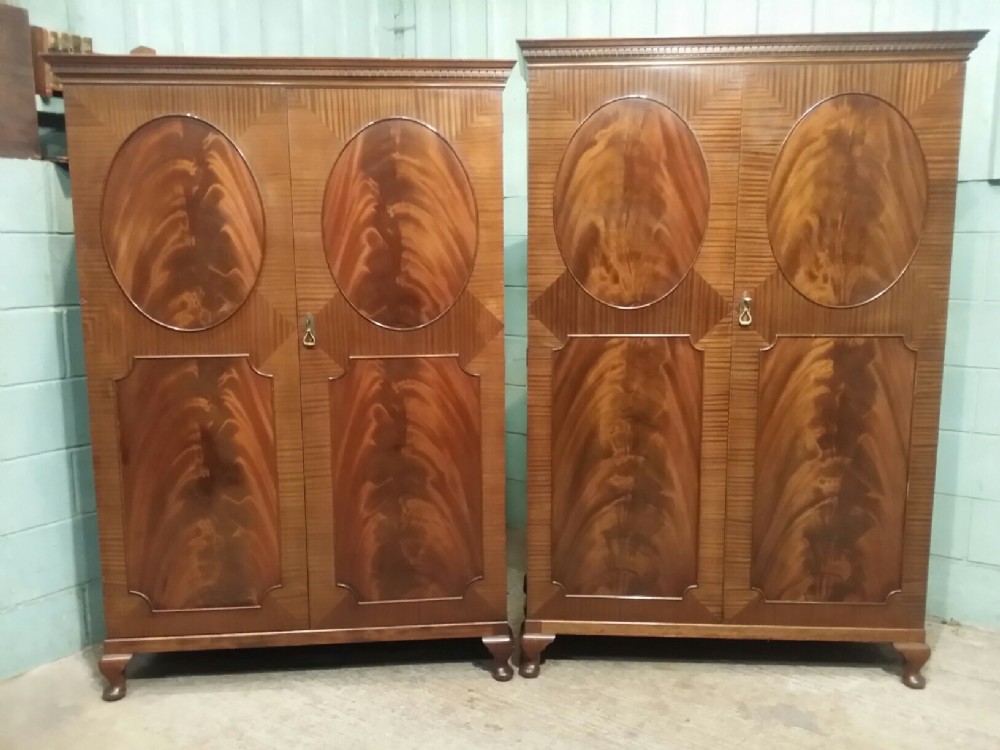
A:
(739, 254)
(292, 287)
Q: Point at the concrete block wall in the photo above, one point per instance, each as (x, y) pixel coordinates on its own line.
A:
(49, 577)
(504, 25)
(965, 543)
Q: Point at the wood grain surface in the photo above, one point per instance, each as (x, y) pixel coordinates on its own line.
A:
(407, 472)
(833, 448)
(686, 580)
(626, 438)
(200, 482)
(400, 224)
(355, 546)
(19, 125)
(100, 120)
(841, 152)
(183, 223)
(847, 200)
(927, 97)
(254, 104)
(630, 203)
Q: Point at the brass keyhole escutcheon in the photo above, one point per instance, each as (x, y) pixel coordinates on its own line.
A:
(745, 317)
(309, 337)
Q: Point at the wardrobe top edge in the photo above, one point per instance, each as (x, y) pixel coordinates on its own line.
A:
(301, 71)
(887, 46)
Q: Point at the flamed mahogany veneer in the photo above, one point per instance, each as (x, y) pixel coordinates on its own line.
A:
(738, 265)
(292, 284)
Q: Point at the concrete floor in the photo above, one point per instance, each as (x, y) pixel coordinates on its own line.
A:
(593, 693)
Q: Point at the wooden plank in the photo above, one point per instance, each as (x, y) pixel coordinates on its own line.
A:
(301, 637)
(19, 124)
(708, 630)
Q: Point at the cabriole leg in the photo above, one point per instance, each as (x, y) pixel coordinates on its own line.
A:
(501, 648)
(532, 645)
(915, 655)
(112, 666)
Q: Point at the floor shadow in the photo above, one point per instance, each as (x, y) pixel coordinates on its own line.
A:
(301, 658)
(716, 651)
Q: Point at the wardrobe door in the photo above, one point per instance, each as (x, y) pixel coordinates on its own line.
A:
(847, 187)
(398, 237)
(183, 227)
(632, 212)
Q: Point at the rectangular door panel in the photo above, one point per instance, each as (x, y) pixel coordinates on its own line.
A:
(188, 313)
(833, 447)
(626, 445)
(847, 185)
(406, 446)
(399, 245)
(200, 481)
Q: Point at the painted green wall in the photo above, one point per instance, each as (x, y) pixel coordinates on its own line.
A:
(49, 587)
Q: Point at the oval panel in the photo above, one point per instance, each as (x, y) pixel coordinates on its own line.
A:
(183, 223)
(847, 200)
(400, 224)
(630, 205)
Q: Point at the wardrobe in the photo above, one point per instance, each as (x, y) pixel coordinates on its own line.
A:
(739, 253)
(292, 299)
